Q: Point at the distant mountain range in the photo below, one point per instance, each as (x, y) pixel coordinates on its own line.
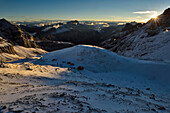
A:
(15, 42)
(149, 41)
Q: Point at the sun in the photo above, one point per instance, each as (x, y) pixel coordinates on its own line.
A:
(154, 16)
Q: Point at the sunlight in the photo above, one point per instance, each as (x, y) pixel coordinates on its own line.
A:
(154, 16)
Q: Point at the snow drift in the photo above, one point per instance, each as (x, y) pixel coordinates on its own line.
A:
(93, 58)
(99, 60)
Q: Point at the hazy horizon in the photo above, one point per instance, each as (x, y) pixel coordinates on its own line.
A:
(89, 10)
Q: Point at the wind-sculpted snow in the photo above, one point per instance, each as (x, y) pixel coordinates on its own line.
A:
(93, 58)
(108, 83)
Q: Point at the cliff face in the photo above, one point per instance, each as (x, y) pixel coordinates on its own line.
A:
(14, 34)
(6, 47)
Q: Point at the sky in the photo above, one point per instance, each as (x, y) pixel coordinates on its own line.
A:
(103, 10)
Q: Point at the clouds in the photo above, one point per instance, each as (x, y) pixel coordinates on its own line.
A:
(146, 15)
(145, 12)
(127, 19)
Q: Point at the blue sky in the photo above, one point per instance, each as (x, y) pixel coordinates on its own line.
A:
(113, 10)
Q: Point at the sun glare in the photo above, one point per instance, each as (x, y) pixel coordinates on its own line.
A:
(154, 16)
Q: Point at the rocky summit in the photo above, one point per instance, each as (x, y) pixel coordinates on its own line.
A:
(14, 34)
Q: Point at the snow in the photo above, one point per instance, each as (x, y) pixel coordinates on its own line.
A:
(108, 83)
(47, 28)
(141, 46)
(156, 47)
(33, 34)
(60, 30)
(21, 53)
(3, 42)
(91, 57)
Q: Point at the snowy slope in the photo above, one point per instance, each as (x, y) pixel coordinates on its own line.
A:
(21, 53)
(99, 60)
(109, 83)
(150, 41)
(91, 57)
(151, 48)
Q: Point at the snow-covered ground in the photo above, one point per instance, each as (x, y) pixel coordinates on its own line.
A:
(21, 53)
(154, 47)
(109, 83)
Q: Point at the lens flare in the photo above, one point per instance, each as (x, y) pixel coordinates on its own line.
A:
(154, 16)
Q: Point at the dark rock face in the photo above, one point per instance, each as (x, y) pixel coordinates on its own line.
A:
(6, 47)
(167, 12)
(73, 22)
(53, 45)
(31, 29)
(73, 32)
(13, 33)
(162, 20)
(79, 37)
(118, 34)
(129, 28)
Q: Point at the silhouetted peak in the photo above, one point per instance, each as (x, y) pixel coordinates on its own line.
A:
(4, 20)
(73, 22)
(167, 12)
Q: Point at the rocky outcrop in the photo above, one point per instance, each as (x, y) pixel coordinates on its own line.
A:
(6, 47)
(14, 34)
(148, 41)
(162, 20)
(54, 45)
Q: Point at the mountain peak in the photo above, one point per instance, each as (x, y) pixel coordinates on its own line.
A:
(167, 12)
(4, 20)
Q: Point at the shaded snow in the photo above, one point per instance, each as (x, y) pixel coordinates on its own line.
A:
(109, 83)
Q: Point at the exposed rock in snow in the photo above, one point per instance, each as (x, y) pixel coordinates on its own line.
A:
(92, 58)
(123, 85)
(21, 53)
(54, 45)
(6, 47)
(13, 33)
(150, 42)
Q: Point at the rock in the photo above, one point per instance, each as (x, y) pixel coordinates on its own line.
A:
(68, 62)
(6, 47)
(1, 79)
(141, 41)
(161, 108)
(71, 32)
(80, 68)
(153, 109)
(72, 64)
(53, 59)
(4, 107)
(73, 22)
(14, 34)
(53, 45)
(147, 88)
